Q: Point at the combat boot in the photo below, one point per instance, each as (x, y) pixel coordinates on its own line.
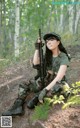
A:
(16, 109)
(33, 102)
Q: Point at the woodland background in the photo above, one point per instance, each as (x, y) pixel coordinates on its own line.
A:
(21, 19)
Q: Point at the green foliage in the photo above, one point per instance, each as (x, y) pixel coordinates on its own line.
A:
(74, 99)
(42, 111)
(3, 64)
(33, 14)
(58, 99)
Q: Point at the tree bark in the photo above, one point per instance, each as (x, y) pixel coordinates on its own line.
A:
(61, 19)
(77, 21)
(17, 27)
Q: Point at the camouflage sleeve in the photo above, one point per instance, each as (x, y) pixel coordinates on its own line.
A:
(65, 61)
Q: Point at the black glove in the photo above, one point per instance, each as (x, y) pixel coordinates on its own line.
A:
(56, 88)
(37, 44)
(42, 95)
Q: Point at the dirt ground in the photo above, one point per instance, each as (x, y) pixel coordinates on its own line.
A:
(58, 118)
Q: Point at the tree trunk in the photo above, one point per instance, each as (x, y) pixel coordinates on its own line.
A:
(0, 14)
(61, 19)
(4, 30)
(17, 27)
(49, 20)
(77, 21)
(72, 12)
(55, 18)
(71, 18)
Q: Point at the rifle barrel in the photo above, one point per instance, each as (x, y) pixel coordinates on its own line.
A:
(41, 60)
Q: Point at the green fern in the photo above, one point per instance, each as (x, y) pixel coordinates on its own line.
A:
(41, 111)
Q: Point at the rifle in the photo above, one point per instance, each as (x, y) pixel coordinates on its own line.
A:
(41, 60)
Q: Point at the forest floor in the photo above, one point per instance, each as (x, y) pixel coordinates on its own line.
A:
(57, 118)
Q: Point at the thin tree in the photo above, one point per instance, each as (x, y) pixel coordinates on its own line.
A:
(17, 28)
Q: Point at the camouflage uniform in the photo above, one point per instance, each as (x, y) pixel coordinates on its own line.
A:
(61, 87)
(35, 86)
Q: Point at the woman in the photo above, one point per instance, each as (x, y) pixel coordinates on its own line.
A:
(56, 63)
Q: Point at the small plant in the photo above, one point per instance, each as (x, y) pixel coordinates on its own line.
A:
(74, 99)
(58, 99)
(42, 111)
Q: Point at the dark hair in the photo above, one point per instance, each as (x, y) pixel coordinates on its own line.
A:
(48, 54)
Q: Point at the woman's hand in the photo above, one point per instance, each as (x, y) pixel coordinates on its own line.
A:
(36, 57)
(42, 95)
(37, 44)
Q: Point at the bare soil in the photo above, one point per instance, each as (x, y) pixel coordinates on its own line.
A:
(58, 118)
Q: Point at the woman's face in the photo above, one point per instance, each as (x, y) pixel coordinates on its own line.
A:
(52, 43)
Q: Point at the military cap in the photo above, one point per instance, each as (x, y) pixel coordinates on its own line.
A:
(48, 35)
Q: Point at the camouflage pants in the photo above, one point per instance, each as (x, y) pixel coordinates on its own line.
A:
(31, 86)
(35, 86)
